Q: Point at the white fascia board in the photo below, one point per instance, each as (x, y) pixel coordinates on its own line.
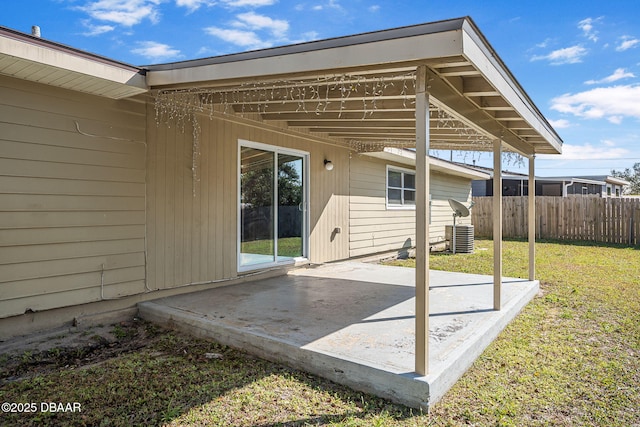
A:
(323, 61)
(570, 180)
(408, 157)
(507, 88)
(616, 181)
(59, 59)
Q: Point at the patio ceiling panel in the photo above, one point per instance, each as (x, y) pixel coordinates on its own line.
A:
(360, 90)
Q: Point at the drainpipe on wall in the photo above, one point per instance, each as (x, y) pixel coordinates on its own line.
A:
(565, 187)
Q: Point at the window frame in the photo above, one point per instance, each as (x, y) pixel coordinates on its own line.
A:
(402, 188)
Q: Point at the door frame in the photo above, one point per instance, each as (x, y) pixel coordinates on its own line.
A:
(305, 208)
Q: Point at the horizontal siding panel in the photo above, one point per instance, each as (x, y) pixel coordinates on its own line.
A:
(39, 236)
(44, 202)
(382, 234)
(69, 219)
(387, 221)
(48, 285)
(28, 185)
(399, 213)
(64, 170)
(72, 197)
(71, 105)
(70, 134)
(42, 269)
(378, 179)
(383, 241)
(368, 200)
(30, 151)
(18, 254)
(362, 249)
(400, 228)
(68, 298)
(367, 207)
(371, 188)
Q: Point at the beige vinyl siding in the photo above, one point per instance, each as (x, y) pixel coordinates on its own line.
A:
(192, 219)
(376, 228)
(443, 188)
(72, 205)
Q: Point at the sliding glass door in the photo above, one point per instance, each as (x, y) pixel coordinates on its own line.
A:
(272, 212)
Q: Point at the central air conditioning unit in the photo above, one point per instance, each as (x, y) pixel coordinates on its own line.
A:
(459, 236)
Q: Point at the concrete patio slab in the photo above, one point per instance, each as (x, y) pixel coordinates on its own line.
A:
(353, 323)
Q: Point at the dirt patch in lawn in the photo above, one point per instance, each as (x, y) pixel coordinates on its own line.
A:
(26, 357)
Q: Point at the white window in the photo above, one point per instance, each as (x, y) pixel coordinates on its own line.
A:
(401, 188)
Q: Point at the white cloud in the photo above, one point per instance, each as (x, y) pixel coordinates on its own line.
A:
(155, 50)
(249, 3)
(589, 151)
(123, 12)
(544, 44)
(194, 5)
(247, 39)
(618, 74)
(560, 124)
(331, 4)
(374, 8)
(253, 21)
(627, 42)
(612, 103)
(249, 31)
(586, 25)
(96, 30)
(567, 55)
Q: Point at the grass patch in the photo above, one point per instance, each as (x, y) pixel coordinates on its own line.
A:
(287, 247)
(572, 357)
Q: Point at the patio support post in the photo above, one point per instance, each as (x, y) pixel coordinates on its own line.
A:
(532, 218)
(422, 222)
(497, 224)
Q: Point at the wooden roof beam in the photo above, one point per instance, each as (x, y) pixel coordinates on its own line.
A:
(477, 86)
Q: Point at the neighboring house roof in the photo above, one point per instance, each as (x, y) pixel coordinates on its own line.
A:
(570, 180)
(474, 99)
(606, 179)
(408, 157)
(591, 179)
(489, 171)
(32, 58)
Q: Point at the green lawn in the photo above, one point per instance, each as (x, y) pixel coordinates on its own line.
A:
(571, 358)
(287, 247)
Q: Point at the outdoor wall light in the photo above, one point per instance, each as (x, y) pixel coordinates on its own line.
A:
(328, 165)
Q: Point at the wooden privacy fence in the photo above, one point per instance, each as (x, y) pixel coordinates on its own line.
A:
(597, 219)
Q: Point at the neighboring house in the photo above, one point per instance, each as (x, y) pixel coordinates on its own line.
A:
(120, 184)
(514, 184)
(382, 213)
(604, 185)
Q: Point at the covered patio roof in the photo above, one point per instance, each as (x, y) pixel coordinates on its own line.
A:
(360, 90)
(438, 85)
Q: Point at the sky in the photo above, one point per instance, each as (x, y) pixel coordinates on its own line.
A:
(579, 61)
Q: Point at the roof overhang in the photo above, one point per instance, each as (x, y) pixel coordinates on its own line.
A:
(408, 157)
(569, 181)
(617, 181)
(32, 58)
(594, 179)
(358, 89)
